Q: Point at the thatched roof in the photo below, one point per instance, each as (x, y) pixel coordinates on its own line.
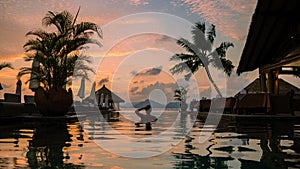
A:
(273, 36)
(284, 87)
(111, 96)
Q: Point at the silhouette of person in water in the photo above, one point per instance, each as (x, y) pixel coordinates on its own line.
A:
(145, 118)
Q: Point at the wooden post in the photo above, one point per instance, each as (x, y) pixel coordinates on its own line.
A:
(263, 83)
(276, 83)
(271, 82)
(99, 97)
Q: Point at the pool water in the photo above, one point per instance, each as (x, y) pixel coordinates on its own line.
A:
(98, 142)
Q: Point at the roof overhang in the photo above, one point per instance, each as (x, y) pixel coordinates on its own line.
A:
(274, 36)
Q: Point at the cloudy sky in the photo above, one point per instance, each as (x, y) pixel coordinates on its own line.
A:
(139, 38)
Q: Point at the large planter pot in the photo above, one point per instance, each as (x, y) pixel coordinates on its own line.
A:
(57, 102)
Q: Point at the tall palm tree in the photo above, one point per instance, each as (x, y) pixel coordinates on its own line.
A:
(201, 53)
(58, 53)
(5, 65)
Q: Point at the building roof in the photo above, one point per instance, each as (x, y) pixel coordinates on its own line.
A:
(111, 96)
(273, 36)
(284, 87)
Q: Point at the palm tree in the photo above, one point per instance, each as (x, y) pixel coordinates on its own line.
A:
(180, 95)
(59, 59)
(5, 65)
(58, 52)
(201, 53)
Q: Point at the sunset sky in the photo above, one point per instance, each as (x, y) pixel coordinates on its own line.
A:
(134, 59)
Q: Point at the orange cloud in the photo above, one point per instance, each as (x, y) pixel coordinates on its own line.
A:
(139, 2)
(12, 58)
(116, 53)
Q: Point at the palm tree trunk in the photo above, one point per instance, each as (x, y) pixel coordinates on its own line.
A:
(212, 81)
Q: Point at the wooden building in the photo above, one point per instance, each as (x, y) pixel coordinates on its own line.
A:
(273, 42)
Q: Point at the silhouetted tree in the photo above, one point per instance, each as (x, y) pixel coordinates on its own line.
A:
(57, 58)
(201, 53)
(58, 52)
(181, 96)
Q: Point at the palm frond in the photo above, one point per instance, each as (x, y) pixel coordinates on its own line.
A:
(94, 41)
(74, 21)
(85, 26)
(198, 35)
(182, 57)
(200, 26)
(179, 68)
(49, 19)
(176, 57)
(223, 64)
(188, 46)
(189, 66)
(227, 66)
(222, 49)
(62, 21)
(211, 34)
(84, 58)
(5, 65)
(39, 33)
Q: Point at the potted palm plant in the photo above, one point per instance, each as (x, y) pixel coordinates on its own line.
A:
(57, 58)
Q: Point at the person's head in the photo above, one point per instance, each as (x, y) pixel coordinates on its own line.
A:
(148, 107)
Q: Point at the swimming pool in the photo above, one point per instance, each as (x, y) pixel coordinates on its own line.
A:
(234, 144)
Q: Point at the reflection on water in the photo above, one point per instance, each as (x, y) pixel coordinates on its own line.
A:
(235, 144)
(43, 150)
(245, 145)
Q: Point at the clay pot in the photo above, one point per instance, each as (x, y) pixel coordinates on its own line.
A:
(57, 102)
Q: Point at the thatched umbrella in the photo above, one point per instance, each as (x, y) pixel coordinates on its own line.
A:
(81, 91)
(92, 94)
(34, 84)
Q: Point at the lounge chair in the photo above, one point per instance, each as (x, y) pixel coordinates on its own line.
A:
(9, 97)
